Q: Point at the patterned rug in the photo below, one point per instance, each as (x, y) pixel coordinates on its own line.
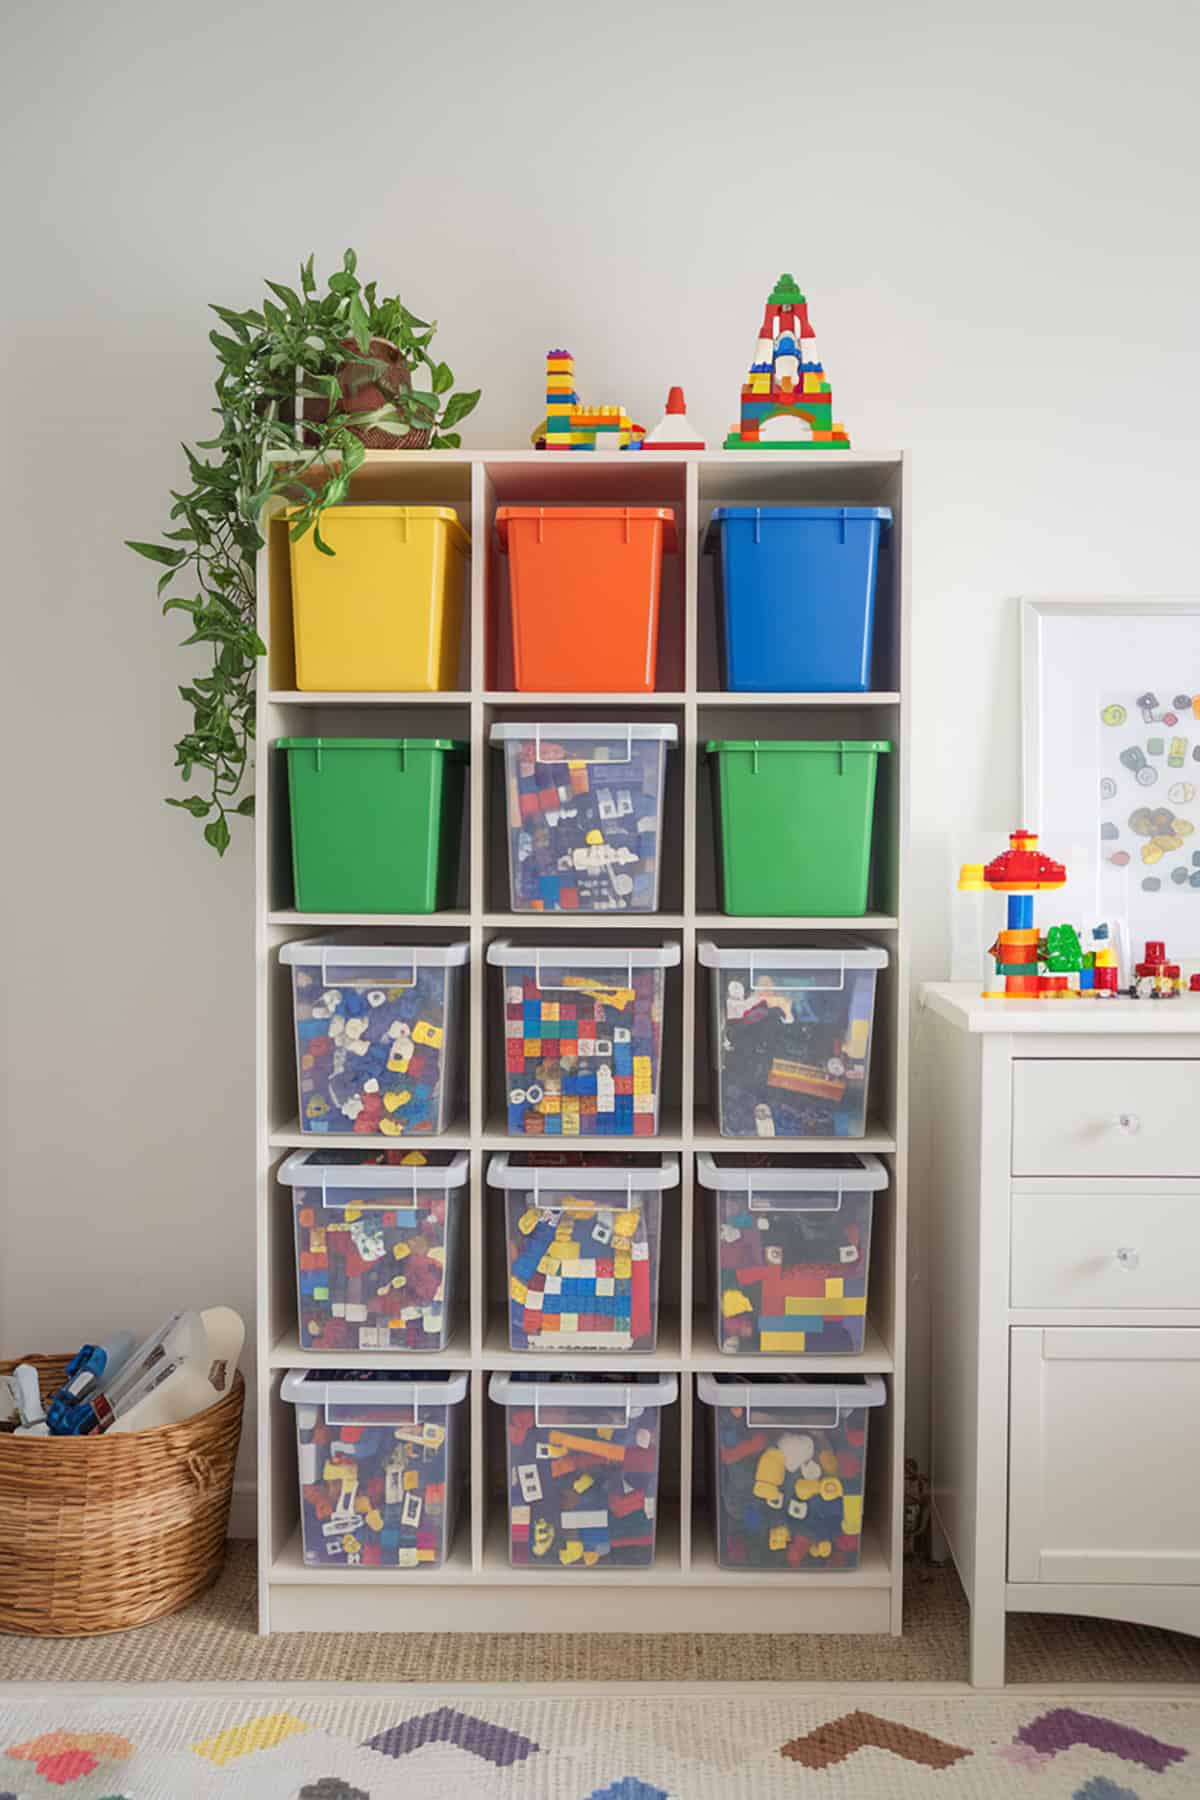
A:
(882, 1747)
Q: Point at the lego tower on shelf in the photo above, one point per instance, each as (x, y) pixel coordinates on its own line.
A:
(1021, 871)
(787, 404)
(569, 425)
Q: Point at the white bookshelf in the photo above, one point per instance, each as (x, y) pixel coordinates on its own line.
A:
(684, 1590)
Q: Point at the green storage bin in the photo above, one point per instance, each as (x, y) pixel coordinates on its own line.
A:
(376, 822)
(795, 825)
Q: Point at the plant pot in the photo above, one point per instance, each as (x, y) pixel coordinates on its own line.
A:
(360, 394)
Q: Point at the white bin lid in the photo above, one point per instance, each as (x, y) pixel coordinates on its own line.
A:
(315, 1387)
(614, 1173)
(355, 950)
(737, 1173)
(802, 1392)
(855, 955)
(639, 1390)
(568, 955)
(304, 1168)
(558, 731)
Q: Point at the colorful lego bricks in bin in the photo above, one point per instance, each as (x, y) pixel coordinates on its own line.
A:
(377, 1233)
(378, 1465)
(583, 1458)
(570, 425)
(378, 1048)
(792, 1251)
(585, 805)
(787, 404)
(789, 1460)
(583, 1248)
(583, 1038)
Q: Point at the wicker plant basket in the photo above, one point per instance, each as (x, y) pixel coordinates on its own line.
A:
(104, 1533)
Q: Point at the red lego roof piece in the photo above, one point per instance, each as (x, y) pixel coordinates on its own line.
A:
(1024, 869)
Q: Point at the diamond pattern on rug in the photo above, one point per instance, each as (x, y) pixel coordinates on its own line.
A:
(494, 1743)
(840, 1738)
(255, 1734)
(1101, 1788)
(61, 1757)
(1063, 1728)
(628, 1788)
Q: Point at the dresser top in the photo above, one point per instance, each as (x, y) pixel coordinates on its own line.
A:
(964, 1006)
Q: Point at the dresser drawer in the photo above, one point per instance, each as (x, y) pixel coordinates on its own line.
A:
(1108, 1248)
(1106, 1116)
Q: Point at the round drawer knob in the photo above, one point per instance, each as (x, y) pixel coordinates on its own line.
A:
(1128, 1124)
(1127, 1258)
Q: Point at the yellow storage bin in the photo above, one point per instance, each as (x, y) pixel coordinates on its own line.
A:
(386, 610)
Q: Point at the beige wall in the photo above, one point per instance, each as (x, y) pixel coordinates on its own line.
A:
(992, 211)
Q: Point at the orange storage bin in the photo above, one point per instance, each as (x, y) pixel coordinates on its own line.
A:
(585, 584)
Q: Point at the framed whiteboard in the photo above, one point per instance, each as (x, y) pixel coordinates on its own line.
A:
(1111, 759)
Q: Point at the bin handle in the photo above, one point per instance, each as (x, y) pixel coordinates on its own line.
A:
(368, 1420)
(537, 1179)
(762, 1203)
(591, 761)
(562, 987)
(328, 1205)
(606, 1425)
(816, 1424)
(804, 987)
(368, 980)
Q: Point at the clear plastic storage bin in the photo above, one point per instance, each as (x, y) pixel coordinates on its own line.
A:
(789, 1469)
(379, 1043)
(582, 1467)
(791, 1038)
(377, 1236)
(792, 1251)
(378, 1456)
(585, 812)
(583, 1037)
(583, 1238)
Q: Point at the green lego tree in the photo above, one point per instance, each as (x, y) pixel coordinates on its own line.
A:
(1061, 950)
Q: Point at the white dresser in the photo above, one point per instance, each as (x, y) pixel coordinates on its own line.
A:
(1064, 1255)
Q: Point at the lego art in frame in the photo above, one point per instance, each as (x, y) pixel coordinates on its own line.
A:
(1111, 697)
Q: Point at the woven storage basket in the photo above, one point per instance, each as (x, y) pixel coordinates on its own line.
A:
(104, 1533)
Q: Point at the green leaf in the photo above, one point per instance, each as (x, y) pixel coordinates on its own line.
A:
(234, 321)
(274, 317)
(289, 296)
(342, 284)
(445, 440)
(159, 553)
(459, 405)
(350, 261)
(360, 325)
(245, 807)
(194, 804)
(308, 280)
(443, 378)
(217, 834)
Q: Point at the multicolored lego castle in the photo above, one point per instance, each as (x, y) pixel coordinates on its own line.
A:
(787, 404)
(569, 425)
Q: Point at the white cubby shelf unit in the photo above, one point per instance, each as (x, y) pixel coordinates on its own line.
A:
(684, 1590)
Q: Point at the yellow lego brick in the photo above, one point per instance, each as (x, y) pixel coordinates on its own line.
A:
(425, 1033)
(781, 1343)
(517, 1291)
(812, 383)
(778, 1538)
(570, 1125)
(527, 1222)
(412, 1480)
(550, 1010)
(550, 1103)
(641, 1066)
(546, 1266)
(570, 1103)
(533, 1049)
(623, 1267)
(857, 1039)
(733, 1302)
(852, 1514)
(835, 1287)
(804, 1489)
(582, 1483)
(426, 1556)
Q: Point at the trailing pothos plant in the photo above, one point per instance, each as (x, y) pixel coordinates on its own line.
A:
(304, 383)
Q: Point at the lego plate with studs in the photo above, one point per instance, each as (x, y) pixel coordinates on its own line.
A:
(583, 1456)
(789, 1469)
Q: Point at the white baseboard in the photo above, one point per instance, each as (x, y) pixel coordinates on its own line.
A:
(243, 1512)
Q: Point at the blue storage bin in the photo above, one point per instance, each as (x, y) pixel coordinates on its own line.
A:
(797, 595)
